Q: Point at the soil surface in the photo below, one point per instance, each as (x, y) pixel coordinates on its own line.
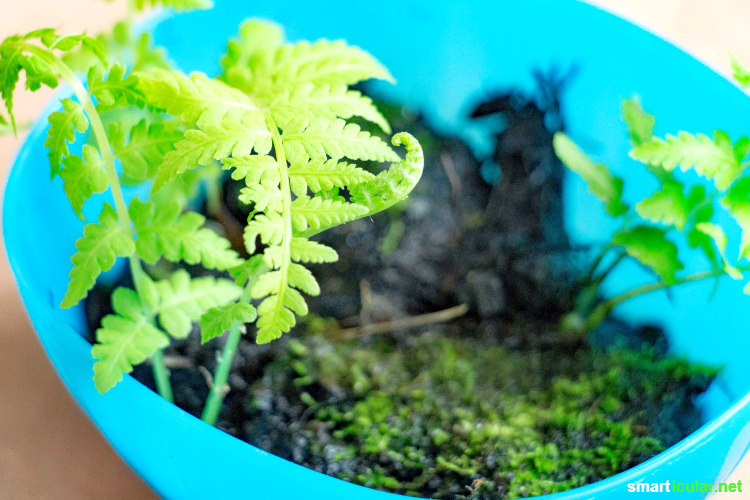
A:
(495, 403)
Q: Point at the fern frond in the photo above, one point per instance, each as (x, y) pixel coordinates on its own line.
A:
(254, 37)
(737, 203)
(274, 317)
(218, 320)
(115, 88)
(304, 250)
(164, 232)
(253, 168)
(263, 196)
(715, 159)
(125, 339)
(317, 212)
(598, 178)
(215, 141)
(178, 5)
(63, 126)
(184, 300)
(315, 139)
(740, 73)
(197, 98)
(640, 124)
(325, 101)
(321, 63)
(97, 251)
(669, 205)
(324, 175)
(649, 246)
(143, 149)
(392, 185)
(269, 227)
(83, 176)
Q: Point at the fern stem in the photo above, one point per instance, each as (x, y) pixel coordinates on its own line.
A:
(219, 388)
(161, 376)
(603, 309)
(105, 149)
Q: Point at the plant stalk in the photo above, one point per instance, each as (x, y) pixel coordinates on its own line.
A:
(161, 376)
(219, 387)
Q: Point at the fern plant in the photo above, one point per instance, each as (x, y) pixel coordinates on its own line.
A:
(276, 119)
(681, 210)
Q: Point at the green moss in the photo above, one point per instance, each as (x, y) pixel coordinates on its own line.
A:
(459, 418)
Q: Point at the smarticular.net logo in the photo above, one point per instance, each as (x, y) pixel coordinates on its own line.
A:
(685, 487)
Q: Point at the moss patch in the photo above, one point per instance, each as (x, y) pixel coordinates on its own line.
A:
(462, 418)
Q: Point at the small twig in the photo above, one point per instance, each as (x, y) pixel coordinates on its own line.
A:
(399, 324)
(173, 361)
(453, 178)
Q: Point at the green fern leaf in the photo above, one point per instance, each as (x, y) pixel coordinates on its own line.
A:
(125, 339)
(717, 236)
(715, 159)
(218, 320)
(253, 168)
(82, 177)
(263, 196)
(324, 175)
(325, 101)
(178, 5)
(668, 206)
(183, 300)
(164, 232)
(640, 124)
(649, 246)
(255, 37)
(274, 318)
(63, 126)
(213, 142)
(320, 63)
(304, 250)
(393, 185)
(270, 228)
(301, 278)
(248, 271)
(114, 89)
(98, 249)
(598, 178)
(317, 212)
(737, 203)
(197, 98)
(314, 139)
(142, 150)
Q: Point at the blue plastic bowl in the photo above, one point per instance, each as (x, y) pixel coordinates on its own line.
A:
(443, 54)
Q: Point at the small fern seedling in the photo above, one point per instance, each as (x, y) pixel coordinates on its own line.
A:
(277, 119)
(147, 317)
(676, 211)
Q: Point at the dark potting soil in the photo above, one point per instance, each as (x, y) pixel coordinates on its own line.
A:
(496, 403)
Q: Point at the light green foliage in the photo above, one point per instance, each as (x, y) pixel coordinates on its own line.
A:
(125, 338)
(716, 159)
(650, 246)
(83, 176)
(218, 320)
(600, 181)
(739, 71)
(183, 300)
(164, 231)
(97, 251)
(276, 118)
(63, 126)
(676, 210)
(292, 100)
(142, 148)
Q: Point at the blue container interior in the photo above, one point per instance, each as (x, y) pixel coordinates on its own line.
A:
(445, 55)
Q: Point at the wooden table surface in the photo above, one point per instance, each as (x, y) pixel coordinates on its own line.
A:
(48, 449)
